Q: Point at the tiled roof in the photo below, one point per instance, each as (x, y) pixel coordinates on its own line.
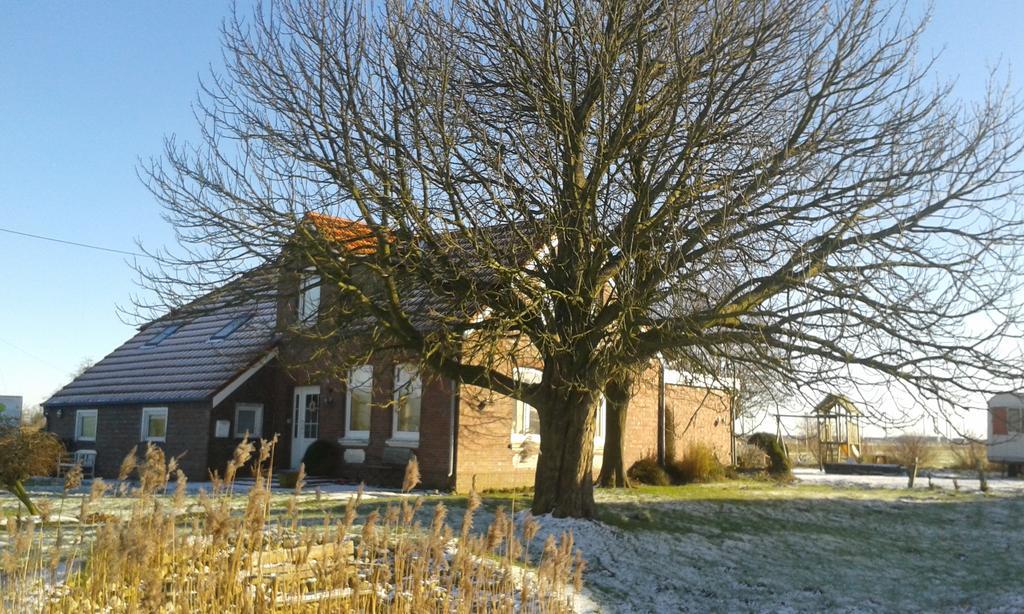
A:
(186, 366)
(357, 237)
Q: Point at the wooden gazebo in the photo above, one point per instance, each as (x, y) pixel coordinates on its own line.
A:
(838, 430)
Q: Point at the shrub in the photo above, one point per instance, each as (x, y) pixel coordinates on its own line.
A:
(648, 471)
(778, 459)
(321, 458)
(912, 448)
(698, 465)
(970, 453)
(25, 452)
(749, 456)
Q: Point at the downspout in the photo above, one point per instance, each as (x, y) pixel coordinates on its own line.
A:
(451, 430)
(732, 425)
(661, 413)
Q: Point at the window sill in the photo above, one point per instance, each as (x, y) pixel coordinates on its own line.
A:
(518, 439)
(401, 442)
(354, 442)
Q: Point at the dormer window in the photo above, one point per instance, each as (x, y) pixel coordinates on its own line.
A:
(230, 328)
(309, 299)
(168, 330)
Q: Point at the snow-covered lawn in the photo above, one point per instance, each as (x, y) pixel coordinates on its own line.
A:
(810, 547)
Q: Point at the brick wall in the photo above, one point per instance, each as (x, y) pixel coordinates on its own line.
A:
(381, 463)
(642, 418)
(487, 458)
(119, 427)
(695, 415)
(269, 387)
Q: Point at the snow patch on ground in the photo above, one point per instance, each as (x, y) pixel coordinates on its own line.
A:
(800, 554)
(967, 481)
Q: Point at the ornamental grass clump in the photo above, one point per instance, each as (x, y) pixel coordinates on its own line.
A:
(699, 465)
(165, 550)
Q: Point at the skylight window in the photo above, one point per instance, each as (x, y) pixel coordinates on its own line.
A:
(168, 330)
(230, 328)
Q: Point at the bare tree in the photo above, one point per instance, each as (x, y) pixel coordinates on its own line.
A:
(915, 450)
(600, 181)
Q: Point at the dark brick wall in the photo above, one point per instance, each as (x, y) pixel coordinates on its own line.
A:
(119, 427)
(269, 387)
(432, 451)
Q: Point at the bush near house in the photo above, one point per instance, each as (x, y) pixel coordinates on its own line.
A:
(699, 465)
(648, 471)
(779, 464)
(322, 458)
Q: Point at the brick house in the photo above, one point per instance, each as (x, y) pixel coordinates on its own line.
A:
(195, 384)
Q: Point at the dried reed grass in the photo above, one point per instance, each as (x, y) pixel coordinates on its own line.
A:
(169, 555)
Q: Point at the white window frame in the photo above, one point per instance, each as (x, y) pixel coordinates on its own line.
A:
(148, 412)
(85, 413)
(257, 421)
(363, 375)
(522, 409)
(309, 299)
(406, 376)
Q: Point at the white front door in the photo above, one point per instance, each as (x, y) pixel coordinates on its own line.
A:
(305, 421)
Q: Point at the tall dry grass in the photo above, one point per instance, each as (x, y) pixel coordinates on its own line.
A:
(225, 552)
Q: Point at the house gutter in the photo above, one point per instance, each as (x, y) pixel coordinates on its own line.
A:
(732, 425)
(451, 429)
(661, 413)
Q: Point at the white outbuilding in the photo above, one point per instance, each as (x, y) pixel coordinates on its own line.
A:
(1006, 431)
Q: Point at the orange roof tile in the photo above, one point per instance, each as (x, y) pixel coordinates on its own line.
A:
(357, 237)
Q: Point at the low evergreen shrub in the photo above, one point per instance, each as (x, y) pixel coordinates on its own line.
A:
(322, 458)
(648, 471)
(779, 464)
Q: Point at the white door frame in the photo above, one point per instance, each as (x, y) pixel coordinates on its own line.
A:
(303, 434)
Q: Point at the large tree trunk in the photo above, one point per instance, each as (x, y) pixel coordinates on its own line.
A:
(613, 470)
(564, 483)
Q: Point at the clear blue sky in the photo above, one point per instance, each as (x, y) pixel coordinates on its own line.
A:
(86, 89)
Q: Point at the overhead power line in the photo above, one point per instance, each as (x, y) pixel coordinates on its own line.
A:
(75, 243)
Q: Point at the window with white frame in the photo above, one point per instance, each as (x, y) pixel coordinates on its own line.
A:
(154, 424)
(358, 398)
(408, 398)
(85, 425)
(309, 299)
(527, 420)
(1013, 420)
(248, 419)
(602, 418)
